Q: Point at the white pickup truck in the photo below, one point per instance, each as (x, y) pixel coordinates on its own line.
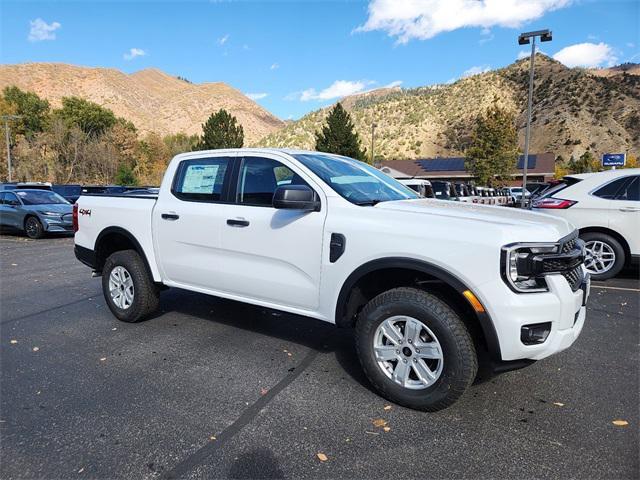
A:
(431, 287)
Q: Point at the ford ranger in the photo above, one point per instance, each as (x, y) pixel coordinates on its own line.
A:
(432, 288)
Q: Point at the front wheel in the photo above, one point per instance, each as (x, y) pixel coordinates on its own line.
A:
(415, 350)
(33, 228)
(127, 287)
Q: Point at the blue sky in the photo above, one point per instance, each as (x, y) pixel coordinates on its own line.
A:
(296, 56)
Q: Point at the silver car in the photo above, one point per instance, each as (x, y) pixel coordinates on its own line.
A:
(35, 212)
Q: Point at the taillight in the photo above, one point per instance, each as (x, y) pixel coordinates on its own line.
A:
(75, 218)
(553, 203)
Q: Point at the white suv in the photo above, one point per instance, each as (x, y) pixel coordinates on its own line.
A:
(605, 207)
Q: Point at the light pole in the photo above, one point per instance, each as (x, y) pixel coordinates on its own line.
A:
(525, 39)
(373, 132)
(6, 119)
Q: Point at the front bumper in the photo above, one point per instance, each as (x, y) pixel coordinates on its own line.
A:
(561, 306)
(57, 224)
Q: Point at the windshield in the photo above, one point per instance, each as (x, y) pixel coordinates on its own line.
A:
(355, 181)
(41, 197)
(441, 190)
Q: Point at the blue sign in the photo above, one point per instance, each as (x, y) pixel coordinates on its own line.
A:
(614, 159)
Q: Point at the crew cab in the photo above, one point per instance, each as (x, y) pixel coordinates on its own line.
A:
(332, 238)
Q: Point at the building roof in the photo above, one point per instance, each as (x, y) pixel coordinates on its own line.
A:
(453, 167)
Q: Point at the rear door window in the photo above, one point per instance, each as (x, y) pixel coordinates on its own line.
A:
(610, 190)
(631, 190)
(202, 179)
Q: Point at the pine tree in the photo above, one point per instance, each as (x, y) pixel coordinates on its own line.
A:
(221, 130)
(493, 153)
(338, 135)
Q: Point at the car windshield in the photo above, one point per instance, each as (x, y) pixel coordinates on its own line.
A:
(40, 197)
(441, 189)
(355, 181)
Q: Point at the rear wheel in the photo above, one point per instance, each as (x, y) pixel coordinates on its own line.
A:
(415, 349)
(33, 228)
(604, 256)
(127, 287)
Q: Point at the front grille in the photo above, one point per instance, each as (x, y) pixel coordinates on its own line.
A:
(574, 277)
(568, 243)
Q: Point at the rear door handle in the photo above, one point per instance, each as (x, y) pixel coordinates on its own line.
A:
(630, 209)
(238, 222)
(170, 216)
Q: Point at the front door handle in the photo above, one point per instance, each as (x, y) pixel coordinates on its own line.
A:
(170, 216)
(630, 209)
(238, 222)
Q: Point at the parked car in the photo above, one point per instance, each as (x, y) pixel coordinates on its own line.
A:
(516, 195)
(463, 192)
(421, 186)
(429, 286)
(69, 192)
(444, 190)
(25, 185)
(103, 189)
(35, 212)
(605, 207)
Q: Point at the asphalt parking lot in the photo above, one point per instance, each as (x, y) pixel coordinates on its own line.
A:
(216, 389)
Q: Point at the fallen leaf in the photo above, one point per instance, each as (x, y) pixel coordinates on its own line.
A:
(288, 354)
(14, 264)
(13, 342)
(212, 437)
(559, 404)
(103, 359)
(387, 407)
(379, 422)
(620, 423)
(35, 349)
(114, 328)
(322, 457)
(264, 391)
(81, 470)
(387, 429)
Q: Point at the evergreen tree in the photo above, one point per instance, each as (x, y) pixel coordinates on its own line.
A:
(91, 118)
(125, 176)
(338, 135)
(585, 164)
(33, 110)
(221, 130)
(493, 153)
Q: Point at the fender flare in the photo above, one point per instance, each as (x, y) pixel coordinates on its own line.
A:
(129, 236)
(421, 266)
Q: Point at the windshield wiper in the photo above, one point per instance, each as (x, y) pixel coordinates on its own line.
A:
(370, 203)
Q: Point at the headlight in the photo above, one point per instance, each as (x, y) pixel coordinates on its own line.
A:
(50, 214)
(522, 266)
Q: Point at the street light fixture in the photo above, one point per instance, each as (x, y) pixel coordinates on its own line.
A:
(6, 119)
(525, 39)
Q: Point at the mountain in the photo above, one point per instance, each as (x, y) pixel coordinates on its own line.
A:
(151, 99)
(574, 109)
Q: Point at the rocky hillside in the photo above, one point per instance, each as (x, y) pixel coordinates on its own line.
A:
(151, 99)
(574, 109)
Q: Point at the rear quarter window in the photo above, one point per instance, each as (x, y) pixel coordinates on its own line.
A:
(202, 179)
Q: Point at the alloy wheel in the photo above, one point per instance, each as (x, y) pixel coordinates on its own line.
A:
(599, 257)
(408, 352)
(121, 287)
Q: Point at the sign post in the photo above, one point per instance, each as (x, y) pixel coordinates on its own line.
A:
(614, 160)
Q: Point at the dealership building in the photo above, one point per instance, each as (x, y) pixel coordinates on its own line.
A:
(540, 168)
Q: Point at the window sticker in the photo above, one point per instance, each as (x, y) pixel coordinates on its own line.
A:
(200, 179)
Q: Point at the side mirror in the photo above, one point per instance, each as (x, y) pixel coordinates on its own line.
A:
(296, 197)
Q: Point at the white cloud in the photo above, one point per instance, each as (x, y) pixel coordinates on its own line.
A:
(478, 69)
(256, 96)
(338, 89)
(223, 40)
(527, 53)
(41, 30)
(133, 53)
(274, 66)
(586, 55)
(424, 19)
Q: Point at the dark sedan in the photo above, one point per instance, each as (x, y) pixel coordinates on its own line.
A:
(35, 212)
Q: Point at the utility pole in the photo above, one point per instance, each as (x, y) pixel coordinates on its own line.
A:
(373, 132)
(524, 39)
(6, 119)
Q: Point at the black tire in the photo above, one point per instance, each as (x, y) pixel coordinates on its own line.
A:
(146, 294)
(614, 244)
(460, 362)
(33, 228)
